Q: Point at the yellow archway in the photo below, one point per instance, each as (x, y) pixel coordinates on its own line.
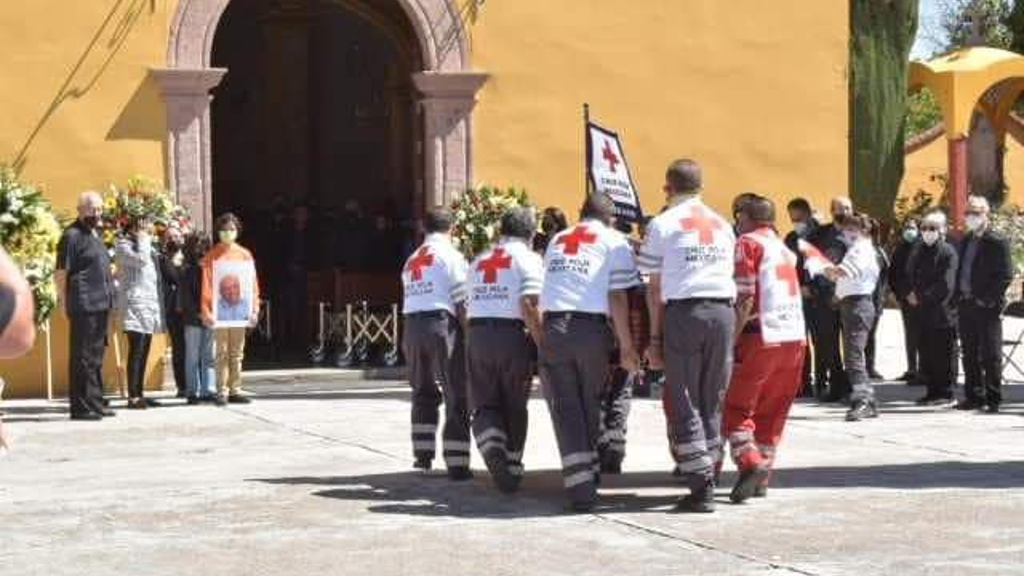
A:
(966, 81)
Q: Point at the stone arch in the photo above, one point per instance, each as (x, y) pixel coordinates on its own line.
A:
(447, 94)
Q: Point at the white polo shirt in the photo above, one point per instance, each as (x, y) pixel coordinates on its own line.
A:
(584, 263)
(862, 271)
(694, 251)
(434, 277)
(501, 277)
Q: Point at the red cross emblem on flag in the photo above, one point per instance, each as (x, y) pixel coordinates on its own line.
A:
(490, 267)
(610, 156)
(786, 272)
(579, 236)
(423, 259)
(703, 223)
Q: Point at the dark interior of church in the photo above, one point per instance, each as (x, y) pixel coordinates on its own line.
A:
(316, 146)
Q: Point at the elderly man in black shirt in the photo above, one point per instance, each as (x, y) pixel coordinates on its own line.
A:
(985, 273)
(86, 289)
(931, 272)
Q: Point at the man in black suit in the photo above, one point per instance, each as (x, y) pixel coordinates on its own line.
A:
(804, 224)
(899, 282)
(824, 314)
(984, 275)
(86, 289)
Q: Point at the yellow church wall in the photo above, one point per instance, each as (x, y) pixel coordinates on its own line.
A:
(77, 111)
(755, 91)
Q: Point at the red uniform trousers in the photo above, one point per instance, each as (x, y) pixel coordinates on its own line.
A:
(765, 381)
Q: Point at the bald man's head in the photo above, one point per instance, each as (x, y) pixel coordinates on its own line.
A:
(841, 207)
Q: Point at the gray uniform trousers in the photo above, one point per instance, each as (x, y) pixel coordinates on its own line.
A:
(434, 351)
(574, 370)
(615, 406)
(500, 373)
(858, 315)
(699, 340)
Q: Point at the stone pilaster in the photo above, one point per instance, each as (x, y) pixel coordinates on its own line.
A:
(186, 94)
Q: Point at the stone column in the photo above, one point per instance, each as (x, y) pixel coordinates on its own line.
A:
(447, 100)
(186, 94)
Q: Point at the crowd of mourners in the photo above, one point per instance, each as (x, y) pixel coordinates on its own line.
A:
(737, 319)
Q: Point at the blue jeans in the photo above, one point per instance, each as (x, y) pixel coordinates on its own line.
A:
(200, 367)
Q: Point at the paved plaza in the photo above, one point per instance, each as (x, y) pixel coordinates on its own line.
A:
(314, 478)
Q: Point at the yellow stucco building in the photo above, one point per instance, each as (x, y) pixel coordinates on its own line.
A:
(412, 100)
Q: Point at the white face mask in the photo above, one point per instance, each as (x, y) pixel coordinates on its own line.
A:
(851, 237)
(800, 228)
(974, 222)
(930, 237)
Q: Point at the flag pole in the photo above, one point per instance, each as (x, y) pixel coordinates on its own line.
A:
(586, 149)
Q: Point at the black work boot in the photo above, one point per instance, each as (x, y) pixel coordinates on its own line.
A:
(747, 484)
(700, 500)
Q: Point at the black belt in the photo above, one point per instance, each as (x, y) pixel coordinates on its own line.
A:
(430, 315)
(496, 322)
(589, 316)
(856, 297)
(692, 301)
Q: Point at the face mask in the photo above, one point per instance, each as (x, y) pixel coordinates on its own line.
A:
(228, 236)
(930, 236)
(851, 237)
(974, 222)
(910, 235)
(800, 228)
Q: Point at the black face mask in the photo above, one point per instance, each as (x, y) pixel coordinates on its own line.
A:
(90, 222)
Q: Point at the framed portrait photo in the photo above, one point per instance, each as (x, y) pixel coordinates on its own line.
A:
(233, 293)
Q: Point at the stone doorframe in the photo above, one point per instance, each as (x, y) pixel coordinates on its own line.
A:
(448, 92)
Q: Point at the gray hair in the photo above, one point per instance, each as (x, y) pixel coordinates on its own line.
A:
(936, 217)
(979, 203)
(89, 197)
(519, 222)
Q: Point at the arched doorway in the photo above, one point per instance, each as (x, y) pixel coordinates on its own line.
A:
(297, 103)
(316, 144)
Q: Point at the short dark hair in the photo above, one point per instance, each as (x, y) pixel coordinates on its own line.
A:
(760, 210)
(438, 220)
(598, 206)
(227, 218)
(740, 201)
(799, 204)
(556, 217)
(518, 222)
(684, 175)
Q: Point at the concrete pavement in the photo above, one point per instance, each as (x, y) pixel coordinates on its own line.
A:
(314, 478)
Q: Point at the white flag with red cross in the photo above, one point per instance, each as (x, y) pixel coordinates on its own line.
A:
(609, 172)
(814, 261)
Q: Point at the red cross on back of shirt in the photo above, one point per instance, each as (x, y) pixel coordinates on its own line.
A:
(610, 156)
(787, 273)
(490, 267)
(422, 259)
(579, 236)
(703, 223)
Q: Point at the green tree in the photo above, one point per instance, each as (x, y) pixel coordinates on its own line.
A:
(882, 35)
(1014, 22)
(957, 23)
(923, 112)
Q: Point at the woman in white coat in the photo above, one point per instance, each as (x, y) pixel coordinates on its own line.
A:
(139, 304)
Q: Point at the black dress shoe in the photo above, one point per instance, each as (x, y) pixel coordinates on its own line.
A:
(88, 417)
(460, 474)
(238, 399)
(192, 400)
(137, 404)
(862, 409)
(992, 409)
(967, 405)
(152, 403)
(582, 506)
(747, 484)
(876, 376)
